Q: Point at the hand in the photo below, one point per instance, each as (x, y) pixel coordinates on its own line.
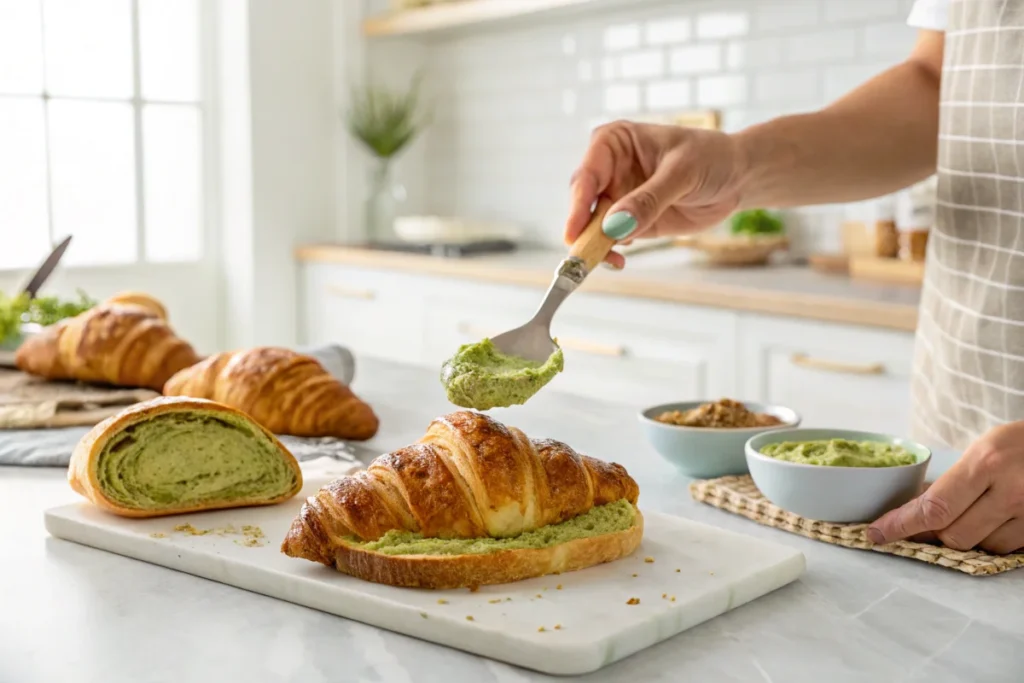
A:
(663, 180)
(979, 502)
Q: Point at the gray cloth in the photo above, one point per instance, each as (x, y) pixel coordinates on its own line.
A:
(52, 447)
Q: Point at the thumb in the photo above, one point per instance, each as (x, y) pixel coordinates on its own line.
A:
(640, 209)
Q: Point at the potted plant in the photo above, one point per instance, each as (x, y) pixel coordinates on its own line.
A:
(386, 123)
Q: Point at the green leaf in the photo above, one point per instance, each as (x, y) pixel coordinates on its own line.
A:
(757, 222)
(42, 310)
(384, 121)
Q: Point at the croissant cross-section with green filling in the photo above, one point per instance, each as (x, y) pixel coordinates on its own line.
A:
(175, 455)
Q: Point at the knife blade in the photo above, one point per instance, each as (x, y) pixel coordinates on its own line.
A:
(45, 270)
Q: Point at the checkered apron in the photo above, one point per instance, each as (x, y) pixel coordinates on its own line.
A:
(969, 357)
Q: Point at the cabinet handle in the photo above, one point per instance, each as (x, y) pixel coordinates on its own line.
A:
(349, 293)
(593, 348)
(582, 345)
(806, 361)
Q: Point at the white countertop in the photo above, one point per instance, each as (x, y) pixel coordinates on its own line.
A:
(73, 613)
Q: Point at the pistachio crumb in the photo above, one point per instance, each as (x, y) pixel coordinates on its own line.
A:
(649, 560)
(558, 627)
(541, 629)
(711, 573)
(664, 595)
(539, 595)
(442, 602)
(633, 601)
(157, 534)
(469, 618)
(558, 587)
(423, 614)
(508, 599)
(635, 575)
(545, 587)
(672, 599)
(677, 571)
(495, 601)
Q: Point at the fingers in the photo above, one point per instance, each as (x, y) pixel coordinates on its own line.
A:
(1006, 539)
(640, 208)
(935, 509)
(975, 525)
(592, 178)
(615, 260)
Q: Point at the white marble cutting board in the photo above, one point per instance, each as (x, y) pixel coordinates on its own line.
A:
(717, 571)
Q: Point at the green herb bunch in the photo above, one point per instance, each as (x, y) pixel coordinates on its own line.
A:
(757, 222)
(20, 309)
(384, 121)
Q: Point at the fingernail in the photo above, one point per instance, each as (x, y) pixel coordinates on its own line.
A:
(875, 536)
(611, 266)
(619, 225)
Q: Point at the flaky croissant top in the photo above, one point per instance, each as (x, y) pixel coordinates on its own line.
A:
(285, 391)
(469, 476)
(125, 341)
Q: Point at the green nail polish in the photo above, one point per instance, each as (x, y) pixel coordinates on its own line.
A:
(619, 225)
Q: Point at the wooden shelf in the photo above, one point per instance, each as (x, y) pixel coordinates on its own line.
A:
(458, 13)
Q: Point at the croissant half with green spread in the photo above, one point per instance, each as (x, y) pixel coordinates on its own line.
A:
(173, 455)
(474, 502)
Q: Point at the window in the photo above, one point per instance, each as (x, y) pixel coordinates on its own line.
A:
(101, 131)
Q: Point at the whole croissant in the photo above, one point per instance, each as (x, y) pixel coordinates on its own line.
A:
(285, 391)
(469, 476)
(128, 345)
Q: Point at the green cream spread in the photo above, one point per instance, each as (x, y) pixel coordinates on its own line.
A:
(841, 453)
(603, 519)
(177, 459)
(481, 377)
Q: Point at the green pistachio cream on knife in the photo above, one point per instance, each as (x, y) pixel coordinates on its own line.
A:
(481, 377)
(841, 453)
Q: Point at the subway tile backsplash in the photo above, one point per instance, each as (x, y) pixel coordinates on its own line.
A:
(514, 104)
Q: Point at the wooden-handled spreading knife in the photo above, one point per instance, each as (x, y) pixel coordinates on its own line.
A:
(45, 270)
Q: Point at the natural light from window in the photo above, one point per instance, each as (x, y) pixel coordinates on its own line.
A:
(100, 131)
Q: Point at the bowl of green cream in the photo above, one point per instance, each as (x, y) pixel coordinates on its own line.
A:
(836, 475)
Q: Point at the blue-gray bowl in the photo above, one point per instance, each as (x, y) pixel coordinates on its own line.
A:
(707, 452)
(835, 494)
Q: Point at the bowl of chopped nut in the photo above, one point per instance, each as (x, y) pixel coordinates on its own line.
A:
(707, 439)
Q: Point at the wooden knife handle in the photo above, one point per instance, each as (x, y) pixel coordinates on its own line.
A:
(593, 245)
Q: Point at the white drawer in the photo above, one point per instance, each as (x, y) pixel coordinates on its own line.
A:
(613, 357)
(374, 313)
(833, 375)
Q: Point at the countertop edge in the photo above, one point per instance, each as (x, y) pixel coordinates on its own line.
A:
(899, 317)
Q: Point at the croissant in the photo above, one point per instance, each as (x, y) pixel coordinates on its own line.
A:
(473, 502)
(167, 456)
(113, 343)
(285, 391)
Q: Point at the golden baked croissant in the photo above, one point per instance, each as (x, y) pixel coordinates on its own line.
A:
(127, 345)
(285, 391)
(473, 502)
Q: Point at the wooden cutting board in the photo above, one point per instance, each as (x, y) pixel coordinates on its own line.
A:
(28, 402)
(706, 570)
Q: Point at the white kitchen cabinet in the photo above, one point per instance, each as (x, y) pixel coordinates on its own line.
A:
(627, 350)
(833, 375)
(375, 313)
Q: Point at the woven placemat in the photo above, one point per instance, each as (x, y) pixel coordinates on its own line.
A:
(28, 402)
(739, 495)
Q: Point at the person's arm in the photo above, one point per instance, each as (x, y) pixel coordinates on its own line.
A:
(877, 139)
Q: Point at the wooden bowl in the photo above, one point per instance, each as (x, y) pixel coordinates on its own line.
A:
(733, 250)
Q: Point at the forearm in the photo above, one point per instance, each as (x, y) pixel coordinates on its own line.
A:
(879, 138)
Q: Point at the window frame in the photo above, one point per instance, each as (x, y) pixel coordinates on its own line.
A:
(206, 108)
